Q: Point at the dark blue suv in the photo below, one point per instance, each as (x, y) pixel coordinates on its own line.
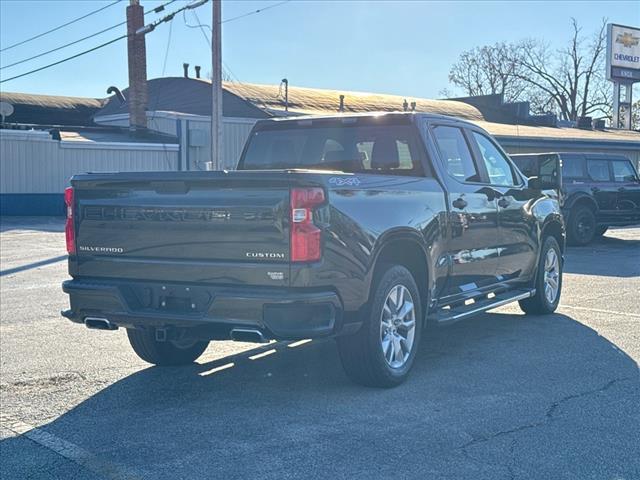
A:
(598, 191)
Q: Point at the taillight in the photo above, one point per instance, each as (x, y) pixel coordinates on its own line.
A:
(305, 236)
(68, 228)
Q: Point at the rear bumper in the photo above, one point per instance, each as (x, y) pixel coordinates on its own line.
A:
(211, 311)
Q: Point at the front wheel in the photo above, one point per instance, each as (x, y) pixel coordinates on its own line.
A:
(548, 283)
(169, 352)
(382, 352)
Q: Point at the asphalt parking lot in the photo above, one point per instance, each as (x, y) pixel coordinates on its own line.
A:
(498, 396)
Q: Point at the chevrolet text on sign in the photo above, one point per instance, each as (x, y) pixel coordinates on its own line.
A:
(623, 52)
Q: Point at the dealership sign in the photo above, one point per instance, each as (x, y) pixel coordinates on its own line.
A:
(623, 53)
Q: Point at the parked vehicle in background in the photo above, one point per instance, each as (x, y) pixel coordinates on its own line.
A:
(597, 191)
(364, 227)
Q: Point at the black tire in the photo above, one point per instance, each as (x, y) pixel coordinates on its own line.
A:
(601, 230)
(362, 353)
(165, 353)
(539, 304)
(581, 226)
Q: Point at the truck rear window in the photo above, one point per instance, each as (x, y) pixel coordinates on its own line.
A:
(385, 149)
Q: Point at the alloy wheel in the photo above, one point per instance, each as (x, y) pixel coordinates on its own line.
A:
(551, 275)
(397, 326)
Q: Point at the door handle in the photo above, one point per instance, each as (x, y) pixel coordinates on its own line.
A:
(622, 189)
(503, 202)
(460, 203)
(595, 189)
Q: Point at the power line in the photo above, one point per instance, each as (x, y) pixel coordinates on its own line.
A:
(60, 26)
(164, 68)
(238, 17)
(253, 12)
(233, 76)
(160, 8)
(201, 26)
(64, 59)
(146, 29)
(155, 106)
(155, 10)
(166, 52)
(63, 46)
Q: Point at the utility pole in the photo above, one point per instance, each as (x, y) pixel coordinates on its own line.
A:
(137, 61)
(216, 86)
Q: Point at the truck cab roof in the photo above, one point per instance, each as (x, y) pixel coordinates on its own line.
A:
(383, 118)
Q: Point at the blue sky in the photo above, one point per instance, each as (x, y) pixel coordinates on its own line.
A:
(401, 47)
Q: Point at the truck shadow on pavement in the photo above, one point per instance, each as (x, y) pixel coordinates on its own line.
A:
(493, 397)
(608, 256)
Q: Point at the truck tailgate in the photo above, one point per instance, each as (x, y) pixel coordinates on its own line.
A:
(218, 227)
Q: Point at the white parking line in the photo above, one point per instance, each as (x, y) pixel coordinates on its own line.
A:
(68, 450)
(263, 354)
(217, 369)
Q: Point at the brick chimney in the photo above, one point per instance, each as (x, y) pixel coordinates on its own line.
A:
(137, 53)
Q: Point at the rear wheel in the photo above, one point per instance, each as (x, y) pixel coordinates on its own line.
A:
(169, 352)
(582, 225)
(382, 352)
(548, 281)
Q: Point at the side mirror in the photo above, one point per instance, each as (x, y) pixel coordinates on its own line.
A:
(534, 183)
(544, 171)
(544, 182)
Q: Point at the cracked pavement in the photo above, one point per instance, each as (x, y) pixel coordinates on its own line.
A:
(500, 396)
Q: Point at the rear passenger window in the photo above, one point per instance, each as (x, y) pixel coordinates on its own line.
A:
(623, 172)
(456, 154)
(598, 170)
(405, 158)
(404, 154)
(572, 168)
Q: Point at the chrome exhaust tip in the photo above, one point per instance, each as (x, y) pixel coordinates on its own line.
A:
(97, 323)
(248, 335)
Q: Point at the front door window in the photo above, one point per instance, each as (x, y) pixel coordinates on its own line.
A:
(498, 168)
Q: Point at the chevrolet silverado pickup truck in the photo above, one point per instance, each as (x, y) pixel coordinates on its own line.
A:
(365, 228)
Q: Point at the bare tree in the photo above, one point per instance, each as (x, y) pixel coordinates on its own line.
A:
(572, 78)
(489, 70)
(569, 82)
(635, 115)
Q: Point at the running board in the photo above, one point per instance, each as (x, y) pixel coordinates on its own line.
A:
(446, 316)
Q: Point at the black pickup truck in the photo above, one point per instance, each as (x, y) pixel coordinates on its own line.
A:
(597, 190)
(365, 227)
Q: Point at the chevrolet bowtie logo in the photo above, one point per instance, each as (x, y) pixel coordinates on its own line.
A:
(627, 39)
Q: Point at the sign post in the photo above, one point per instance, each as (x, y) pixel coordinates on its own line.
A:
(623, 69)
